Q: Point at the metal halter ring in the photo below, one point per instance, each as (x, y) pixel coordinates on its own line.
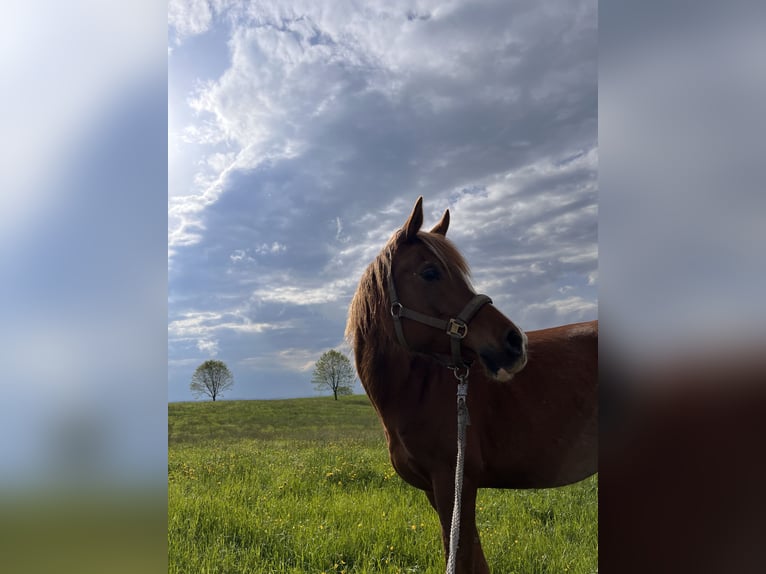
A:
(458, 375)
(396, 309)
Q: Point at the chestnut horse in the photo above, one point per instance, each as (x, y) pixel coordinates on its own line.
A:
(532, 404)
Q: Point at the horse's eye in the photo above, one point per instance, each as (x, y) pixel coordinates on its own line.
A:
(430, 273)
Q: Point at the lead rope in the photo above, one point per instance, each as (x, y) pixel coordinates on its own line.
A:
(462, 421)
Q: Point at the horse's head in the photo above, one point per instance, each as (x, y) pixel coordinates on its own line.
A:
(433, 304)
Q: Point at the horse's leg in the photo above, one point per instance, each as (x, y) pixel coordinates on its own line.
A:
(470, 556)
(445, 533)
(445, 519)
(480, 565)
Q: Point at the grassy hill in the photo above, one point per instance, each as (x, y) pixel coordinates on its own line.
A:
(319, 418)
(305, 485)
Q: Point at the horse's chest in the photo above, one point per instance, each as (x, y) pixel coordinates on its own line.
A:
(412, 459)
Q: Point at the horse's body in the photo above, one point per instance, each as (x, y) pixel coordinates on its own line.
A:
(536, 430)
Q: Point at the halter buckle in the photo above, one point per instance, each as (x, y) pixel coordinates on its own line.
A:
(396, 310)
(457, 329)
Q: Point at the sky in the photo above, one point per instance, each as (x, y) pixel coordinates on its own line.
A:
(300, 135)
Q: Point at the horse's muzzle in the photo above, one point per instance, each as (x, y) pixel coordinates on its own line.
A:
(501, 364)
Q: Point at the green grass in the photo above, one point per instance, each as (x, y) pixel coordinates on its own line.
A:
(305, 485)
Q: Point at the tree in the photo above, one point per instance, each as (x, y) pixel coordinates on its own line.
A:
(334, 372)
(211, 378)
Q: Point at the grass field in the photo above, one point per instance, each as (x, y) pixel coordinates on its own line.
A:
(305, 485)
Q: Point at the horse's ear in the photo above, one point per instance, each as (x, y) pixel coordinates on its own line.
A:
(441, 227)
(415, 221)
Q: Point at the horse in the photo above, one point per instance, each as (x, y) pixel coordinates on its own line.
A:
(415, 323)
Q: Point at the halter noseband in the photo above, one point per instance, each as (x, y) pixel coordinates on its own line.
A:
(456, 328)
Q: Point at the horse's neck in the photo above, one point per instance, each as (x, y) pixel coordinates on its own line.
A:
(385, 369)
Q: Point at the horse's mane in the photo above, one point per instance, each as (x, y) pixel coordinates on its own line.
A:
(371, 293)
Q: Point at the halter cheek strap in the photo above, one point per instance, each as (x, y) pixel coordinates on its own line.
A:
(456, 328)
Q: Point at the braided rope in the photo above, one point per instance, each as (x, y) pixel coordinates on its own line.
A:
(462, 421)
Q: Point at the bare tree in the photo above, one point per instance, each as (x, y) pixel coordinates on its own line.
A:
(211, 378)
(334, 372)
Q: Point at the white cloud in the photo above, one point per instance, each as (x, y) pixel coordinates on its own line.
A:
(238, 255)
(199, 325)
(208, 346)
(189, 17)
(273, 249)
(297, 295)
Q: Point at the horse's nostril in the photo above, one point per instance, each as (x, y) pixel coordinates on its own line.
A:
(514, 342)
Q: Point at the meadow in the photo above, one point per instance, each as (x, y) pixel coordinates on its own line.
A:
(305, 486)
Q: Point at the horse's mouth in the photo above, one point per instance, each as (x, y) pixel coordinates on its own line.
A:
(502, 373)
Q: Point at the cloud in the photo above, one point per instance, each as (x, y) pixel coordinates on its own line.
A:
(326, 123)
(208, 346)
(239, 255)
(301, 295)
(200, 325)
(189, 17)
(273, 249)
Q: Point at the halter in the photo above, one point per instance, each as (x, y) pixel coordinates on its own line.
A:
(456, 328)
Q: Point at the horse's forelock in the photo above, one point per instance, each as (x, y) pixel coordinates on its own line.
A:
(446, 252)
